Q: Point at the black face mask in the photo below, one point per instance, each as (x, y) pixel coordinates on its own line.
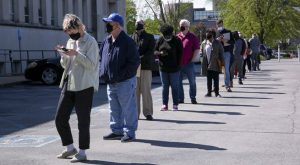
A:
(182, 28)
(109, 28)
(75, 36)
(139, 27)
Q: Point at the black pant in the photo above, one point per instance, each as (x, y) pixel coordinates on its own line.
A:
(82, 101)
(247, 62)
(213, 75)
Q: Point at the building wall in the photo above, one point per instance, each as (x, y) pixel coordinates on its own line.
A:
(37, 25)
(42, 23)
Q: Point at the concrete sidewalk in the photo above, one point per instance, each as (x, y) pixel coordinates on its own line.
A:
(10, 80)
(256, 124)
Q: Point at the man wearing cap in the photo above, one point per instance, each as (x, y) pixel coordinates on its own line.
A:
(118, 67)
(145, 43)
(191, 48)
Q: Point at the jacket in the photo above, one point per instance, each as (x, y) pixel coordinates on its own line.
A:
(172, 54)
(85, 70)
(119, 59)
(145, 43)
(228, 48)
(216, 58)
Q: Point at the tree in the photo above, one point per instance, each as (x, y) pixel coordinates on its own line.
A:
(199, 30)
(272, 20)
(169, 13)
(152, 26)
(131, 14)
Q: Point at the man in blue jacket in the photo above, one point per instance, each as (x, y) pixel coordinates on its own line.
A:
(118, 67)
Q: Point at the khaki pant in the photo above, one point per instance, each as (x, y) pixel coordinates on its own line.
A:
(144, 88)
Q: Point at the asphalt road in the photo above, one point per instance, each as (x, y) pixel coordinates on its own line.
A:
(258, 123)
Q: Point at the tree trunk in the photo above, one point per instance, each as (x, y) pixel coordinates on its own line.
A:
(162, 14)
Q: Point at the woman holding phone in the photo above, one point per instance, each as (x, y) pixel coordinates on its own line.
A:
(80, 60)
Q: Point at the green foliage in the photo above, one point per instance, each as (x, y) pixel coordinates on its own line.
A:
(131, 14)
(272, 20)
(152, 26)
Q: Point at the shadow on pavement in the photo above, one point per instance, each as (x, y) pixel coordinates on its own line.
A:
(265, 84)
(233, 105)
(213, 112)
(187, 121)
(113, 163)
(179, 144)
(255, 87)
(268, 93)
(237, 97)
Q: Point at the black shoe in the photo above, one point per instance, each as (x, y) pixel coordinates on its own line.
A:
(180, 101)
(241, 82)
(112, 136)
(149, 117)
(218, 95)
(194, 101)
(126, 139)
(208, 95)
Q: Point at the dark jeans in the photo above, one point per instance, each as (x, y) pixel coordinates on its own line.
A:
(212, 75)
(167, 80)
(82, 101)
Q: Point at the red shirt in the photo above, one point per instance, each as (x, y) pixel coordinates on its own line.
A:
(190, 43)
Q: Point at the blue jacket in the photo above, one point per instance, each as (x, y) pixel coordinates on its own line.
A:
(119, 60)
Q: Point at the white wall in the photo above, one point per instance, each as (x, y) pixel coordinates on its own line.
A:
(31, 38)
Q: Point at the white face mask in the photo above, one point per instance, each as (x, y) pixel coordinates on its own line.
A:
(220, 28)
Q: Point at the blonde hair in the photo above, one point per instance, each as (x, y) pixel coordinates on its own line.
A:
(71, 21)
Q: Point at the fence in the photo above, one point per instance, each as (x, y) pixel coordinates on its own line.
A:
(14, 62)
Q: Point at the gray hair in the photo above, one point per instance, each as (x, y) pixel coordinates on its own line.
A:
(185, 22)
(71, 21)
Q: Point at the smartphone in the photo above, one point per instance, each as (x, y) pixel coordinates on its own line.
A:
(63, 49)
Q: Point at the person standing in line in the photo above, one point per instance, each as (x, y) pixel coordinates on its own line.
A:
(169, 51)
(145, 43)
(80, 60)
(212, 59)
(118, 68)
(254, 46)
(191, 48)
(226, 38)
(238, 52)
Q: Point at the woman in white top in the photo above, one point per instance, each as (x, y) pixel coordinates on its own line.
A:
(80, 59)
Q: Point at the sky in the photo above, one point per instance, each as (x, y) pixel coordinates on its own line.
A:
(207, 4)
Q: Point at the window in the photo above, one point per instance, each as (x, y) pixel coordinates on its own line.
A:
(206, 15)
(12, 10)
(75, 7)
(40, 12)
(26, 11)
(54, 13)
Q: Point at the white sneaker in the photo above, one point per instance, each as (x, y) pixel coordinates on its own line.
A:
(65, 154)
(78, 158)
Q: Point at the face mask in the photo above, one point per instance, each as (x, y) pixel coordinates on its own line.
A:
(182, 28)
(75, 36)
(220, 28)
(109, 28)
(139, 27)
(167, 38)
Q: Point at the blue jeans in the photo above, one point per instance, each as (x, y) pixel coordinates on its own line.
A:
(168, 79)
(227, 61)
(189, 71)
(123, 108)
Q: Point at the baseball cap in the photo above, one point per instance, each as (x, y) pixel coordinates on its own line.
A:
(114, 17)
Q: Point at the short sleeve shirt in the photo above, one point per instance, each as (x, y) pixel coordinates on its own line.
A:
(190, 43)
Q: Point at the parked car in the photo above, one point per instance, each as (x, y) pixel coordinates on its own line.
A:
(49, 71)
